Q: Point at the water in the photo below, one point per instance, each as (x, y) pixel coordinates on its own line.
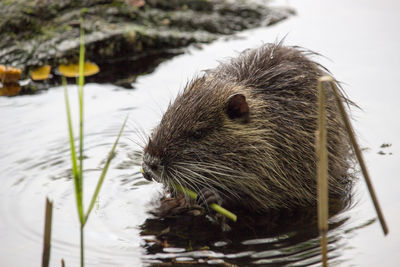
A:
(361, 39)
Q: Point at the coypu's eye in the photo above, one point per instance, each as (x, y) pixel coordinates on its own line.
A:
(198, 134)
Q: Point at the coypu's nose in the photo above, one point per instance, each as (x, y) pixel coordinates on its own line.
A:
(145, 172)
(150, 167)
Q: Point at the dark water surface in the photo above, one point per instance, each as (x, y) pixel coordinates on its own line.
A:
(361, 39)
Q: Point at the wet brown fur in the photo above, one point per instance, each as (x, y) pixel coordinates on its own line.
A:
(263, 163)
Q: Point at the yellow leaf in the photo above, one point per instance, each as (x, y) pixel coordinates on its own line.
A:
(9, 74)
(40, 73)
(10, 89)
(72, 70)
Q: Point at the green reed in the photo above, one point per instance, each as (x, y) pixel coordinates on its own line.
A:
(77, 162)
(217, 208)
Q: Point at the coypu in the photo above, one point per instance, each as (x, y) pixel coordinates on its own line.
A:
(244, 132)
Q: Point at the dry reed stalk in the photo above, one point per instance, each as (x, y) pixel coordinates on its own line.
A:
(322, 170)
(358, 153)
(47, 233)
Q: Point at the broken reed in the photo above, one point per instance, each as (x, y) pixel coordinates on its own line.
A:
(357, 151)
(47, 233)
(322, 166)
(77, 166)
(359, 156)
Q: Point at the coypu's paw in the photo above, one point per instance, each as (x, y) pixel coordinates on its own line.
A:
(207, 197)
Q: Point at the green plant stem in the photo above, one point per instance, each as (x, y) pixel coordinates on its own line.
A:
(75, 168)
(80, 90)
(214, 206)
(82, 245)
(103, 174)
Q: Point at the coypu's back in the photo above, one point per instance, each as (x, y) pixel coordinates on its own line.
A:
(246, 130)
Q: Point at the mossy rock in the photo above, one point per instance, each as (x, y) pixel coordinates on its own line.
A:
(39, 32)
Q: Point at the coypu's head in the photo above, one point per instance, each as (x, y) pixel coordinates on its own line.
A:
(196, 143)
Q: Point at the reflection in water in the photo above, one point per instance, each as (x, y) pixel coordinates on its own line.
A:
(278, 238)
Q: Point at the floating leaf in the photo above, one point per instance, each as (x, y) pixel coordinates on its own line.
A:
(40, 73)
(10, 89)
(72, 70)
(9, 74)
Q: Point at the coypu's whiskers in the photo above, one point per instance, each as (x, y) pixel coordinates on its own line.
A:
(176, 180)
(139, 144)
(195, 180)
(141, 135)
(198, 175)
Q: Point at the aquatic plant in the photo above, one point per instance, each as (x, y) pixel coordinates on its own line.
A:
(77, 159)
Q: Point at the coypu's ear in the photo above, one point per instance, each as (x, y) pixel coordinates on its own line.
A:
(237, 107)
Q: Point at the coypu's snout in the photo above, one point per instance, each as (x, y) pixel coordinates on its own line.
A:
(151, 168)
(145, 172)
